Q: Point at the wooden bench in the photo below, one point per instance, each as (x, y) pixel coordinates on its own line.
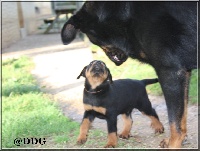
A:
(60, 8)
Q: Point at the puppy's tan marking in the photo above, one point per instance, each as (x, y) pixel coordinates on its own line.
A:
(87, 107)
(101, 110)
(93, 80)
(83, 131)
(127, 126)
(112, 140)
(155, 124)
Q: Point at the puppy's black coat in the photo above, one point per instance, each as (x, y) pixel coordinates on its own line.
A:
(108, 99)
(162, 34)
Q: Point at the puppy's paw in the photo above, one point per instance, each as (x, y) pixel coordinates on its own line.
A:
(159, 130)
(164, 143)
(124, 135)
(81, 140)
(158, 127)
(110, 145)
(112, 140)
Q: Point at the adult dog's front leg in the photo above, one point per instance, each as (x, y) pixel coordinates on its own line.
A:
(85, 125)
(175, 88)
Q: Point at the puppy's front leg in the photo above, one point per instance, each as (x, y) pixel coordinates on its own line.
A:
(112, 132)
(85, 125)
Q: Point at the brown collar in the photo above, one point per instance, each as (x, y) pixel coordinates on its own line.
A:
(92, 92)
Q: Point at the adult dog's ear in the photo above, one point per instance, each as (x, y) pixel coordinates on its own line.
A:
(109, 76)
(69, 30)
(82, 72)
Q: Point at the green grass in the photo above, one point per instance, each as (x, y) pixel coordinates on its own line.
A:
(27, 112)
(193, 94)
(134, 69)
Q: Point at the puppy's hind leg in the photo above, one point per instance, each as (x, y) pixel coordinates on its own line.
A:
(147, 110)
(85, 125)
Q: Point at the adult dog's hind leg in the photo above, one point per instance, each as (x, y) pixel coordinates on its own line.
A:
(175, 88)
(127, 120)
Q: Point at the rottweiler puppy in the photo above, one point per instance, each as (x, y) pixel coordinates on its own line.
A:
(162, 34)
(106, 99)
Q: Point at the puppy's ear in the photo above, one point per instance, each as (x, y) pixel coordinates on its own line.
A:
(82, 72)
(69, 30)
(109, 76)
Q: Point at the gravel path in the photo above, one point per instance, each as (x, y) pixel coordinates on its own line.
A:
(56, 69)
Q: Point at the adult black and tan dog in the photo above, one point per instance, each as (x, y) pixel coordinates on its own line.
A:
(162, 34)
(106, 99)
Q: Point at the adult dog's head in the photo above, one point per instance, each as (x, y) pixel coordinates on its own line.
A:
(96, 73)
(94, 19)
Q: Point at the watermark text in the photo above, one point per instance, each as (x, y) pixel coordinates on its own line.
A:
(24, 141)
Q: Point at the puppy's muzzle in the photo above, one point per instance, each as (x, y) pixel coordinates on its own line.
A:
(97, 69)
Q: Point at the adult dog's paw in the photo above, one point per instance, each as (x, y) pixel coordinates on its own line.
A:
(164, 143)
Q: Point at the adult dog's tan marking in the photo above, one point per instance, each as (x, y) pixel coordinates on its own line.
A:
(184, 117)
(176, 137)
(142, 55)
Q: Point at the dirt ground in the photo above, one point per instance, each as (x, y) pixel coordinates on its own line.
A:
(56, 69)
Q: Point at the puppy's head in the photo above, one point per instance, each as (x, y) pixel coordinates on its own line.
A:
(96, 73)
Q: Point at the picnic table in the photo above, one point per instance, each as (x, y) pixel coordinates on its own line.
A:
(59, 9)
